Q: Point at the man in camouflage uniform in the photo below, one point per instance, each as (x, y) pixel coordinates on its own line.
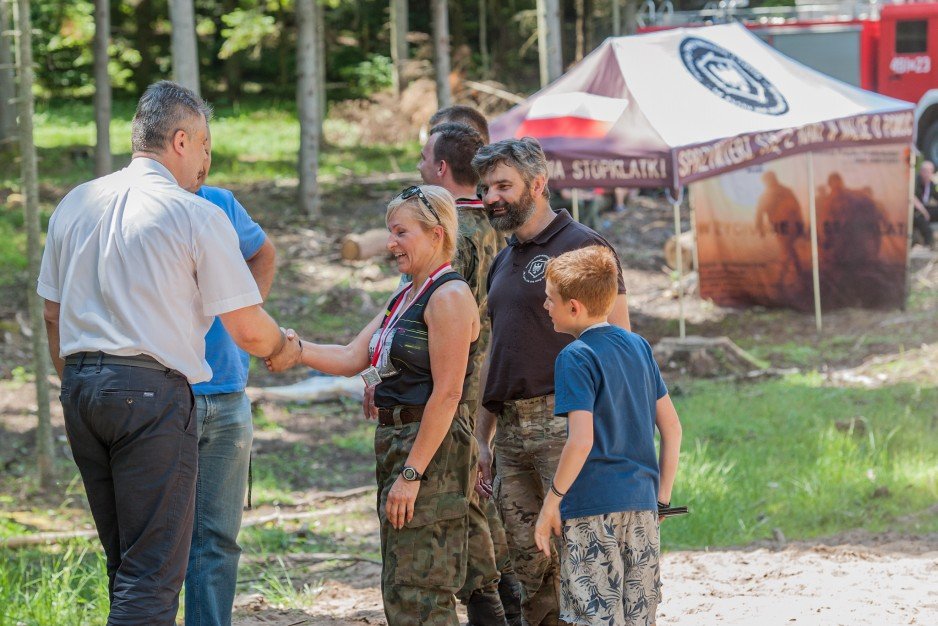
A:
(518, 374)
(446, 160)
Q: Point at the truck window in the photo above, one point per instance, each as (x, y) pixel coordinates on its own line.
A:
(911, 36)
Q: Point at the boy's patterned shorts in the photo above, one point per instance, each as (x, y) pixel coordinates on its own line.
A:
(609, 569)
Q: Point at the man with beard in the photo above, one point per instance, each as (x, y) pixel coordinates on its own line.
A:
(518, 374)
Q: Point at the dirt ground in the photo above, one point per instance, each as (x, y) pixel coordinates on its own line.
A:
(856, 579)
(859, 580)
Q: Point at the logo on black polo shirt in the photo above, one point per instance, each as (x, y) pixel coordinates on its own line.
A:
(534, 272)
(731, 78)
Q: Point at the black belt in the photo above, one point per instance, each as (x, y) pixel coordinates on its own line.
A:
(405, 415)
(101, 358)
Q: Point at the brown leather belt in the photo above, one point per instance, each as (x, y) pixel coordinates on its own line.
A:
(405, 415)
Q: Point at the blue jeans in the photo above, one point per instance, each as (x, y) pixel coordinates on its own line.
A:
(225, 434)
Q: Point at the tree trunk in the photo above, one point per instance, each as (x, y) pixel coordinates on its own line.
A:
(102, 88)
(361, 246)
(484, 36)
(185, 52)
(321, 64)
(444, 96)
(283, 41)
(143, 75)
(307, 105)
(7, 81)
(44, 447)
(580, 8)
(548, 40)
(233, 62)
(399, 42)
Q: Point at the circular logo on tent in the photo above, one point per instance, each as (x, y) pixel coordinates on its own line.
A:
(731, 78)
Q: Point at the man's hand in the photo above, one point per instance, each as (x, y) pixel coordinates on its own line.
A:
(289, 354)
(547, 522)
(483, 484)
(401, 498)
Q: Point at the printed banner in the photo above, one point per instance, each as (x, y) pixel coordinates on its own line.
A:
(753, 230)
(703, 161)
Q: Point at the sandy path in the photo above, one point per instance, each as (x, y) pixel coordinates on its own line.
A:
(871, 582)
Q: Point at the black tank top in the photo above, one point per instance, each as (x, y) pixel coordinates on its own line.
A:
(412, 383)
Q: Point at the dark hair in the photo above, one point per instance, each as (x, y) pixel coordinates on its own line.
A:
(524, 155)
(457, 144)
(164, 108)
(463, 115)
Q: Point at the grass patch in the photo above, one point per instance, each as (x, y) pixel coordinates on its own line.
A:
(66, 585)
(769, 455)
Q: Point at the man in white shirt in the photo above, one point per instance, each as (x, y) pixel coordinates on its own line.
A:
(134, 270)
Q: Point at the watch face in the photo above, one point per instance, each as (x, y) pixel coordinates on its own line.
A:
(409, 473)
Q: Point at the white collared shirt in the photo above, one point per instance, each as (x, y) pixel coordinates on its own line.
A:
(141, 266)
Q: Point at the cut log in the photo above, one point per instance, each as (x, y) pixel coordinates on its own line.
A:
(705, 357)
(687, 252)
(361, 246)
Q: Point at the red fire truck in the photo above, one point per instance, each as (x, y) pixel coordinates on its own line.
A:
(889, 48)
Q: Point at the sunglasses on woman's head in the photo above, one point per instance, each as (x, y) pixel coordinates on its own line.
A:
(414, 190)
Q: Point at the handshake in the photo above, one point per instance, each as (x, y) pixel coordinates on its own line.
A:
(289, 354)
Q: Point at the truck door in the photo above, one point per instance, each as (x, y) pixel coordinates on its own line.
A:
(908, 51)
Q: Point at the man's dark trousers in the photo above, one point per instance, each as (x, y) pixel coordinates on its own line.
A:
(133, 436)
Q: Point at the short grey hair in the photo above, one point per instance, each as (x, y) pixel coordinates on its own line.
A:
(164, 108)
(524, 155)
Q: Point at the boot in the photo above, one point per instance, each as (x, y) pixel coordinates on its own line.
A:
(509, 590)
(485, 609)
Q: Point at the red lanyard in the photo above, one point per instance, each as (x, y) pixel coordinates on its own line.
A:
(396, 313)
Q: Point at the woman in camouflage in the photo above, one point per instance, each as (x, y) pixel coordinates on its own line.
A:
(415, 358)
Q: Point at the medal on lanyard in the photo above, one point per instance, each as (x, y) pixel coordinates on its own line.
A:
(371, 375)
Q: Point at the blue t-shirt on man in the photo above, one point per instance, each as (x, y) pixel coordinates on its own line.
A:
(611, 373)
(229, 363)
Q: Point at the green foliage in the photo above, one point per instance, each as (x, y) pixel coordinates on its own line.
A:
(246, 30)
(64, 585)
(372, 74)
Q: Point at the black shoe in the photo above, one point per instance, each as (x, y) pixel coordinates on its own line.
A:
(485, 609)
(509, 590)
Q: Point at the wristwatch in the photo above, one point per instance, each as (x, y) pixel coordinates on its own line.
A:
(410, 474)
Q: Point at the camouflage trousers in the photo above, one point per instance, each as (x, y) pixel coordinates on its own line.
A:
(528, 443)
(427, 562)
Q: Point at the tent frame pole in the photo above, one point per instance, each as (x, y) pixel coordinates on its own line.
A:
(815, 272)
(575, 204)
(910, 228)
(679, 261)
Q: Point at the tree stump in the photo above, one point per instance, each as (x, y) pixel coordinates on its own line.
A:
(687, 252)
(705, 357)
(361, 246)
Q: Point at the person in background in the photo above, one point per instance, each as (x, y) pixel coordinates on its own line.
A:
(446, 160)
(608, 486)
(926, 203)
(226, 433)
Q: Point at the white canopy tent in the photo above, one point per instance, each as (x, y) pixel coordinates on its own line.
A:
(668, 108)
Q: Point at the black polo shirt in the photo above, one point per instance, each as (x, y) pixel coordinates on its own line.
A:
(524, 344)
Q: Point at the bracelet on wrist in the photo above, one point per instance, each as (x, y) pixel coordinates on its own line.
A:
(663, 505)
(554, 490)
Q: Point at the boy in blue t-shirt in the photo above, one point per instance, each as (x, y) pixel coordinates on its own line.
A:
(608, 483)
